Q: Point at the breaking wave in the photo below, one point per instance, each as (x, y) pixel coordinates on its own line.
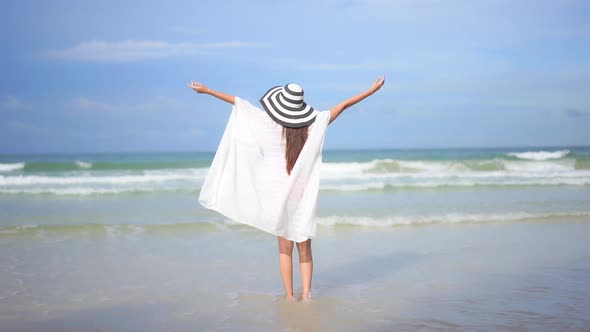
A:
(84, 164)
(97, 183)
(83, 178)
(11, 167)
(539, 155)
(384, 174)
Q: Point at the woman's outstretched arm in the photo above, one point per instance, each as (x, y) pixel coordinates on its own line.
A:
(336, 110)
(201, 88)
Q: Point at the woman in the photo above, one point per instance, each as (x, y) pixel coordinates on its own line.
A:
(265, 172)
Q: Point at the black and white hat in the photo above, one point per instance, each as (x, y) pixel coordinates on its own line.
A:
(285, 105)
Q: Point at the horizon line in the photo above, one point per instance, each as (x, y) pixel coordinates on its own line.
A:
(3, 153)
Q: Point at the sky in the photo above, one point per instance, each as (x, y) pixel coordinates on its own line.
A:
(110, 76)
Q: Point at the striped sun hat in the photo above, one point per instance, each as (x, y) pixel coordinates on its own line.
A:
(285, 105)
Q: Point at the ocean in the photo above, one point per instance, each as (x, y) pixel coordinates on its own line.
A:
(449, 239)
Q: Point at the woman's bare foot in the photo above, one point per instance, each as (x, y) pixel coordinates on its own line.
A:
(306, 296)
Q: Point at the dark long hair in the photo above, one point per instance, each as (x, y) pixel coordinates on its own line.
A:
(295, 139)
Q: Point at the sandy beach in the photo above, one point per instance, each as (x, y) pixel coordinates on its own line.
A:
(496, 276)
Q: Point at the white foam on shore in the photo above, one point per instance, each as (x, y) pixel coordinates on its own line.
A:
(11, 167)
(388, 221)
(539, 155)
(328, 221)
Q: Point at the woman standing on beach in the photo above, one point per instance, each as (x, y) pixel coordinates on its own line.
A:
(265, 172)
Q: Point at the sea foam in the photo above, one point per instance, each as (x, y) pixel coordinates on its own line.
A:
(539, 155)
(83, 164)
(394, 174)
(113, 179)
(100, 182)
(450, 167)
(397, 220)
(327, 221)
(11, 167)
(376, 174)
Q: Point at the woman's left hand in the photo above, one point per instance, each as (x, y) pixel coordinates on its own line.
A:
(198, 87)
(377, 85)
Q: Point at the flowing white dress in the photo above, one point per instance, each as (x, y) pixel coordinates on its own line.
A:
(248, 180)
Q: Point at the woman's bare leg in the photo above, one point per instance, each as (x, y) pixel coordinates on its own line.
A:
(286, 264)
(305, 266)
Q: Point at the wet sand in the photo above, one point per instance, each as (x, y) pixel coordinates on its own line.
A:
(469, 276)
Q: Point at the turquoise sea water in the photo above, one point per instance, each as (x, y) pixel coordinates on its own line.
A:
(449, 239)
(365, 187)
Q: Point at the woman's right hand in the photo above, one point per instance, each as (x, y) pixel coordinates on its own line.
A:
(377, 85)
(198, 87)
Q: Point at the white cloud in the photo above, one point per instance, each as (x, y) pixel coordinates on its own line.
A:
(160, 103)
(11, 103)
(138, 50)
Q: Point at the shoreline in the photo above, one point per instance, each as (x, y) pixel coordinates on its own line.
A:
(500, 275)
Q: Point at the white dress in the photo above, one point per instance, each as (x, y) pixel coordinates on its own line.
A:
(248, 180)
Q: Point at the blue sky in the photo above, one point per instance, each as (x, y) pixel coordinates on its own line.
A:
(94, 76)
